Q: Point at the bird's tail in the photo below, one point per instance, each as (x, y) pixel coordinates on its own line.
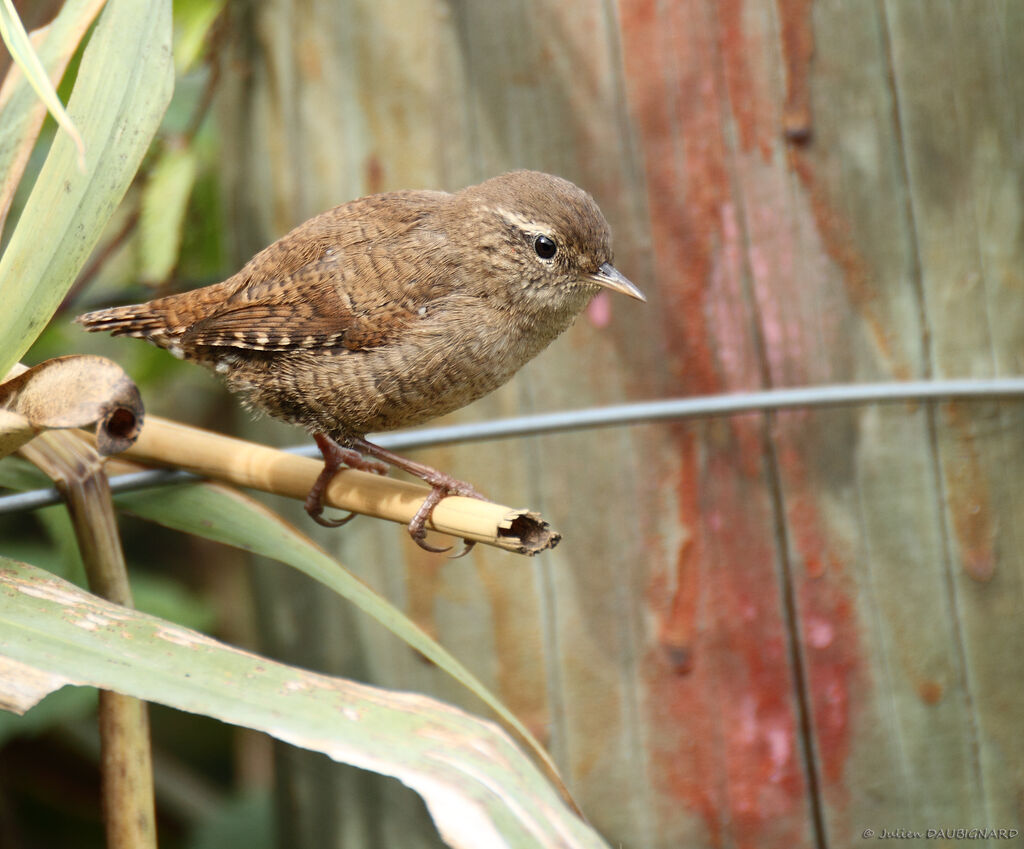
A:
(163, 321)
(139, 320)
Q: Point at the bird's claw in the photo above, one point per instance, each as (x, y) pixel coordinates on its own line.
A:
(330, 523)
(467, 546)
(351, 455)
(417, 527)
(315, 503)
(419, 537)
(336, 457)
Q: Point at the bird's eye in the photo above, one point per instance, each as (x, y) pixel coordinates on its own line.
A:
(545, 247)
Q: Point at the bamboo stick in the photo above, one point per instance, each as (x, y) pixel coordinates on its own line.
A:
(236, 461)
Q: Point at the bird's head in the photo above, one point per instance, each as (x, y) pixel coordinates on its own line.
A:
(544, 235)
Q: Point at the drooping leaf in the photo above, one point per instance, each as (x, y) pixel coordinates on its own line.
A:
(192, 22)
(480, 789)
(228, 516)
(21, 110)
(24, 55)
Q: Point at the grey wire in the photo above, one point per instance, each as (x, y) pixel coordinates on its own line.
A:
(703, 407)
(623, 414)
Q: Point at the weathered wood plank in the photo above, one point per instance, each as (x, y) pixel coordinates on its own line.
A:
(915, 711)
(866, 540)
(965, 160)
(723, 723)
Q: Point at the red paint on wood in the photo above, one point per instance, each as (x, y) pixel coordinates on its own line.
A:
(721, 691)
(968, 499)
(373, 174)
(797, 49)
(834, 231)
(727, 742)
(687, 181)
(828, 627)
(599, 310)
(833, 675)
(931, 692)
(832, 227)
(683, 756)
(720, 684)
(749, 102)
(678, 626)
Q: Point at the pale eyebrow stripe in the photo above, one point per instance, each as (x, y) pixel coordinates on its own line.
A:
(522, 222)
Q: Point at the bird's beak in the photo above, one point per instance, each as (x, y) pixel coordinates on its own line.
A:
(609, 277)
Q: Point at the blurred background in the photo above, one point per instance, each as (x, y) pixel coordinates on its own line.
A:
(759, 631)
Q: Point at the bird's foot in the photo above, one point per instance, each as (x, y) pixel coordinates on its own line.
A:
(335, 457)
(441, 484)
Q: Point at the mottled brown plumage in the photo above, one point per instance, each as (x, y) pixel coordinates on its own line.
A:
(391, 310)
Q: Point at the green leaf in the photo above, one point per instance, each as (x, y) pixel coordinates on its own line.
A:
(164, 203)
(62, 707)
(228, 516)
(192, 22)
(14, 36)
(124, 84)
(21, 111)
(480, 789)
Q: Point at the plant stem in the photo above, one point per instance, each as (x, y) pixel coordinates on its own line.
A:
(127, 774)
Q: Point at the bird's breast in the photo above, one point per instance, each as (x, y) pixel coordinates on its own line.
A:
(438, 364)
(449, 362)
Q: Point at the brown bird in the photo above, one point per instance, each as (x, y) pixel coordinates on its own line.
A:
(390, 310)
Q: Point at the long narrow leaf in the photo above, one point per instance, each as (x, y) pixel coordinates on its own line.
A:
(14, 36)
(164, 205)
(124, 84)
(21, 111)
(480, 789)
(244, 523)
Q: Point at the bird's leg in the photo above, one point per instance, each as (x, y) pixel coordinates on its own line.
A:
(335, 457)
(441, 484)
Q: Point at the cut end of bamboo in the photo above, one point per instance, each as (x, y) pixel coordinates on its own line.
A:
(527, 533)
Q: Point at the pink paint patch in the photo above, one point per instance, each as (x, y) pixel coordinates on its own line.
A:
(820, 632)
(780, 751)
(599, 311)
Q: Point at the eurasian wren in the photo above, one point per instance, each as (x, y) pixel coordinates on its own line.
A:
(390, 310)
